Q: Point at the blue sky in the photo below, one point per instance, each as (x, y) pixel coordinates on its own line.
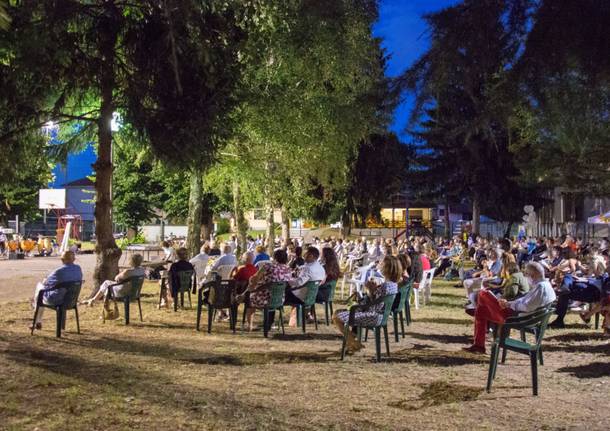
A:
(404, 37)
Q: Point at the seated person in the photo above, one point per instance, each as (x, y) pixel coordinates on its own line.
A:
(311, 271)
(135, 270)
(489, 273)
(260, 295)
(391, 270)
(332, 270)
(182, 264)
(169, 254)
(246, 271)
(260, 255)
(298, 258)
(200, 262)
(575, 289)
(491, 309)
(514, 284)
(603, 307)
(68, 272)
(227, 258)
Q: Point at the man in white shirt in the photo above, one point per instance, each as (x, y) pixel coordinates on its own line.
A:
(226, 259)
(491, 309)
(311, 271)
(200, 262)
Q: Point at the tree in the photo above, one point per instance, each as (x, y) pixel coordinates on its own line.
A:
(563, 119)
(378, 173)
(309, 100)
(183, 107)
(136, 189)
(464, 80)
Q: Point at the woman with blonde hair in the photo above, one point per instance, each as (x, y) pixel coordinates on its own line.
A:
(391, 269)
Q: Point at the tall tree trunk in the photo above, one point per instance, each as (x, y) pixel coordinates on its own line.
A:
(193, 239)
(476, 215)
(447, 220)
(270, 225)
(106, 250)
(285, 225)
(240, 221)
(346, 224)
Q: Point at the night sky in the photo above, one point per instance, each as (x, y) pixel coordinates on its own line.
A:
(404, 37)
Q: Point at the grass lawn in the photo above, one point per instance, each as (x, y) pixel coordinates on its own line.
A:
(162, 374)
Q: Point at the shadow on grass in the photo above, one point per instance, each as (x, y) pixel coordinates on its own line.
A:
(581, 348)
(444, 320)
(126, 380)
(175, 353)
(590, 371)
(435, 358)
(576, 336)
(443, 338)
(447, 304)
(307, 337)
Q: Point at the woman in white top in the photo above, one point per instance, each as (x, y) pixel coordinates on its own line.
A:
(136, 270)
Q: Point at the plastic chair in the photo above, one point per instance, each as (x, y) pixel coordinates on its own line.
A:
(387, 300)
(402, 308)
(328, 304)
(309, 303)
(225, 271)
(276, 302)
(535, 322)
(221, 296)
(204, 287)
(185, 284)
(134, 295)
(70, 302)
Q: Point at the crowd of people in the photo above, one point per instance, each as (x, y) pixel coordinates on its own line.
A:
(506, 277)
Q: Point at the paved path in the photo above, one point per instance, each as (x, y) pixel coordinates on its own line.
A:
(18, 277)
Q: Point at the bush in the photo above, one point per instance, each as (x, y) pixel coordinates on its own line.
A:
(223, 226)
(124, 242)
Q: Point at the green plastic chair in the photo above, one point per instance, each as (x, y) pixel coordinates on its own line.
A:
(70, 302)
(402, 308)
(388, 301)
(309, 303)
(134, 295)
(535, 322)
(186, 282)
(328, 304)
(276, 302)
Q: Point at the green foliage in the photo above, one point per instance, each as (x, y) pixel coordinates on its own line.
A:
(24, 170)
(223, 226)
(562, 116)
(122, 243)
(464, 102)
(136, 188)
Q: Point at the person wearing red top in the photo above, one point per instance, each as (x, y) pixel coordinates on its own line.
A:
(425, 262)
(244, 272)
